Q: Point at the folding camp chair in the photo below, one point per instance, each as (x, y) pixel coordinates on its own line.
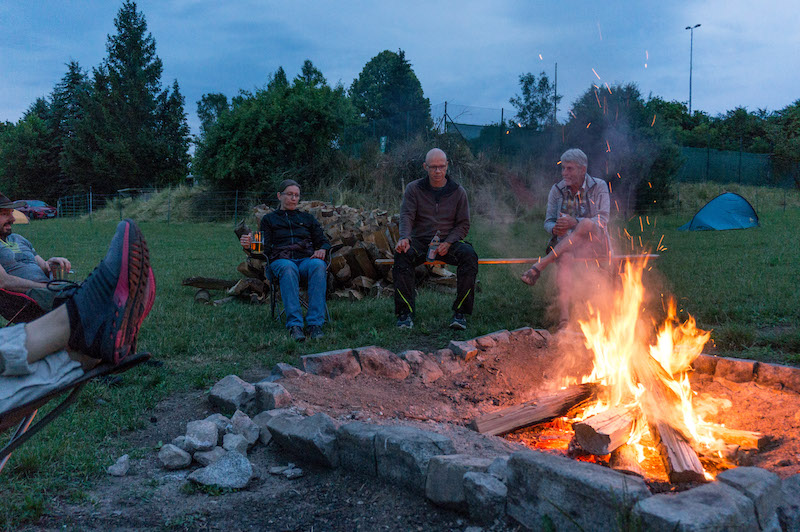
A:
(23, 415)
(17, 307)
(274, 290)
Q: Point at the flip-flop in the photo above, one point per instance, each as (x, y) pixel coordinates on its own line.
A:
(531, 276)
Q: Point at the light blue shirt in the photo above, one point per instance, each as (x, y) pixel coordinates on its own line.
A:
(18, 258)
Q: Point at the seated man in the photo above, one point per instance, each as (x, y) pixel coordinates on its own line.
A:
(295, 245)
(434, 207)
(21, 268)
(99, 322)
(577, 216)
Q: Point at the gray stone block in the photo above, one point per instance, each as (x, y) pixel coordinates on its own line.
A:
(380, 362)
(448, 361)
(789, 504)
(205, 458)
(485, 497)
(705, 364)
(402, 454)
(309, 438)
(200, 436)
(242, 424)
(235, 442)
(444, 485)
(758, 485)
(521, 332)
(571, 494)
(285, 370)
(463, 350)
(778, 376)
(484, 342)
(356, 446)
(263, 418)
(231, 471)
(501, 337)
(412, 356)
(545, 335)
(499, 468)
(735, 369)
(429, 371)
(271, 395)
(332, 364)
(714, 506)
(223, 424)
(231, 394)
(173, 457)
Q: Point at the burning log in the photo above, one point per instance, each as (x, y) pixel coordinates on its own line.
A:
(680, 460)
(623, 459)
(533, 412)
(606, 431)
(743, 438)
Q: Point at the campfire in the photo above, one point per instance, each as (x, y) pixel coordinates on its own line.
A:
(636, 405)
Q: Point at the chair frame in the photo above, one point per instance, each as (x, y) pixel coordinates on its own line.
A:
(17, 307)
(274, 289)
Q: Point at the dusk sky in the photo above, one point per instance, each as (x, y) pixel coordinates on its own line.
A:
(466, 53)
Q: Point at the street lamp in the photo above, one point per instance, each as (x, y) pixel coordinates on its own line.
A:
(691, 47)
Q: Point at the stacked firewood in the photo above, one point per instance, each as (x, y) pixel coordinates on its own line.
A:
(359, 238)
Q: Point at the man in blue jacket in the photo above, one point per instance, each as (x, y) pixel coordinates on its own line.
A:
(295, 245)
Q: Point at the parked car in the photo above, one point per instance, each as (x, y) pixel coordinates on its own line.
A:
(38, 209)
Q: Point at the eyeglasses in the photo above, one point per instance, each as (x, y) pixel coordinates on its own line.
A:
(436, 168)
(290, 194)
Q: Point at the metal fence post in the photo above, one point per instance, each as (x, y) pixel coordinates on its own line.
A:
(169, 203)
(236, 206)
(119, 202)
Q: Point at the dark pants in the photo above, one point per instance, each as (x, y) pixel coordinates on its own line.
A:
(460, 254)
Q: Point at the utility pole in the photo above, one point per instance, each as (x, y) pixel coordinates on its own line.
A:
(555, 96)
(691, 53)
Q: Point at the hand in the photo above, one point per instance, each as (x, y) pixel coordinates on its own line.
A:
(443, 248)
(319, 254)
(244, 240)
(59, 262)
(403, 245)
(564, 224)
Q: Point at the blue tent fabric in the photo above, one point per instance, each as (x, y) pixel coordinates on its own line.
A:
(726, 211)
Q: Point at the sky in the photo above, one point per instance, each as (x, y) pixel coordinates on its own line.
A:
(467, 53)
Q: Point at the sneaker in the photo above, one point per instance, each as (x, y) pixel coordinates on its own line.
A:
(315, 332)
(105, 313)
(405, 322)
(459, 322)
(296, 332)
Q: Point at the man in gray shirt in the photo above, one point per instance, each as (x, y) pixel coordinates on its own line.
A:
(21, 268)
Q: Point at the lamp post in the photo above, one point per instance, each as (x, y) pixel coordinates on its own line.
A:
(691, 50)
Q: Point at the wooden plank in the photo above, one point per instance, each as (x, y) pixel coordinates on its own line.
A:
(209, 283)
(623, 459)
(743, 438)
(533, 412)
(680, 460)
(604, 432)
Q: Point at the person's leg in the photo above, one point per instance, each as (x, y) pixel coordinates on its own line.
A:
(314, 271)
(463, 256)
(584, 233)
(404, 280)
(288, 276)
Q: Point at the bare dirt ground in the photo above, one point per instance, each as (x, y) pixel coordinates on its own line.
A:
(152, 498)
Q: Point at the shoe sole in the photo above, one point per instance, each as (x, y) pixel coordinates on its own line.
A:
(135, 290)
(458, 327)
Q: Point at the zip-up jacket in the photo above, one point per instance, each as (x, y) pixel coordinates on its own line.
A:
(593, 202)
(292, 234)
(426, 210)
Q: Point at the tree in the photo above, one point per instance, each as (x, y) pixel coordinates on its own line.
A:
(209, 109)
(388, 92)
(784, 133)
(536, 105)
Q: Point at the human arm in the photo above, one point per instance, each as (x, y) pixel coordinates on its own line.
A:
(18, 284)
(600, 203)
(318, 239)
(48, 265)
(245, 240)
(553, 208)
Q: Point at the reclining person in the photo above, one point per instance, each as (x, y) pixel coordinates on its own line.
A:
(295, 245)
(99, 322)
(21, 268)
(577, 216)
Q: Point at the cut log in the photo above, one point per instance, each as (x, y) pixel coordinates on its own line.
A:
(202, 297)
(623, 459)
(680, 460)
(606, 431)
(743, 438)
(361, 257)
(362, 282)
(534, 412)
(209, 283)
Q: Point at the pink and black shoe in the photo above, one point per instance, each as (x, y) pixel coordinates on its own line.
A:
(106, 312)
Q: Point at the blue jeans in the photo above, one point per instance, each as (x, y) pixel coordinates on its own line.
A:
(289, 273)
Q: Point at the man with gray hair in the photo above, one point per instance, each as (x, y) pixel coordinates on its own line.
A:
(577, 215)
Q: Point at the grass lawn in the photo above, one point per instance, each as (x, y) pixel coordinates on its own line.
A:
(742, 284)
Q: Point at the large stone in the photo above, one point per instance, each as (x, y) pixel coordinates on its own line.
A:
(380, 362)
(402, 454)
(356, 445)
(282, 369)
(522, 332)
(263, 418)
(173, 457)
(120, 467)
(232, 471)
(310, 438)
(242, 424)
(735, 369)
(223, 424)
(332, 364)
(231, 394)
(705, 364)
(485, 497)
(444, 485)
(448, 361)
(235, 442)
(778, 376)
(501, 337)
(545, 335)
(485, 342)
(714, 506)
(271, 395)
(789, 505)
(499, 468)
(205, 458)
(200, 436)
(412, 356)
(463, 350)
(429, 371)
(568, 493)
(758, 485)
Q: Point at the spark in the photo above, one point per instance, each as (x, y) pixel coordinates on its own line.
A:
(598, 100)
(609, 88)
(616, 205)
(646, 55)
(641, 227)
(540, 57)
(599, 31)
(596, 74)
(647, 219)
(587, 125)
(649, 184)
(519, 124)
(627, 233)
(619, 176)
(640, 242)
(645, 65)
(559, 162)
(507, 132)
(659, 242)
(608, 146)
(609, 188)
(573, 114)
(654, 121)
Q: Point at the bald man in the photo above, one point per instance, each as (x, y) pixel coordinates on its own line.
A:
(434, 206)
